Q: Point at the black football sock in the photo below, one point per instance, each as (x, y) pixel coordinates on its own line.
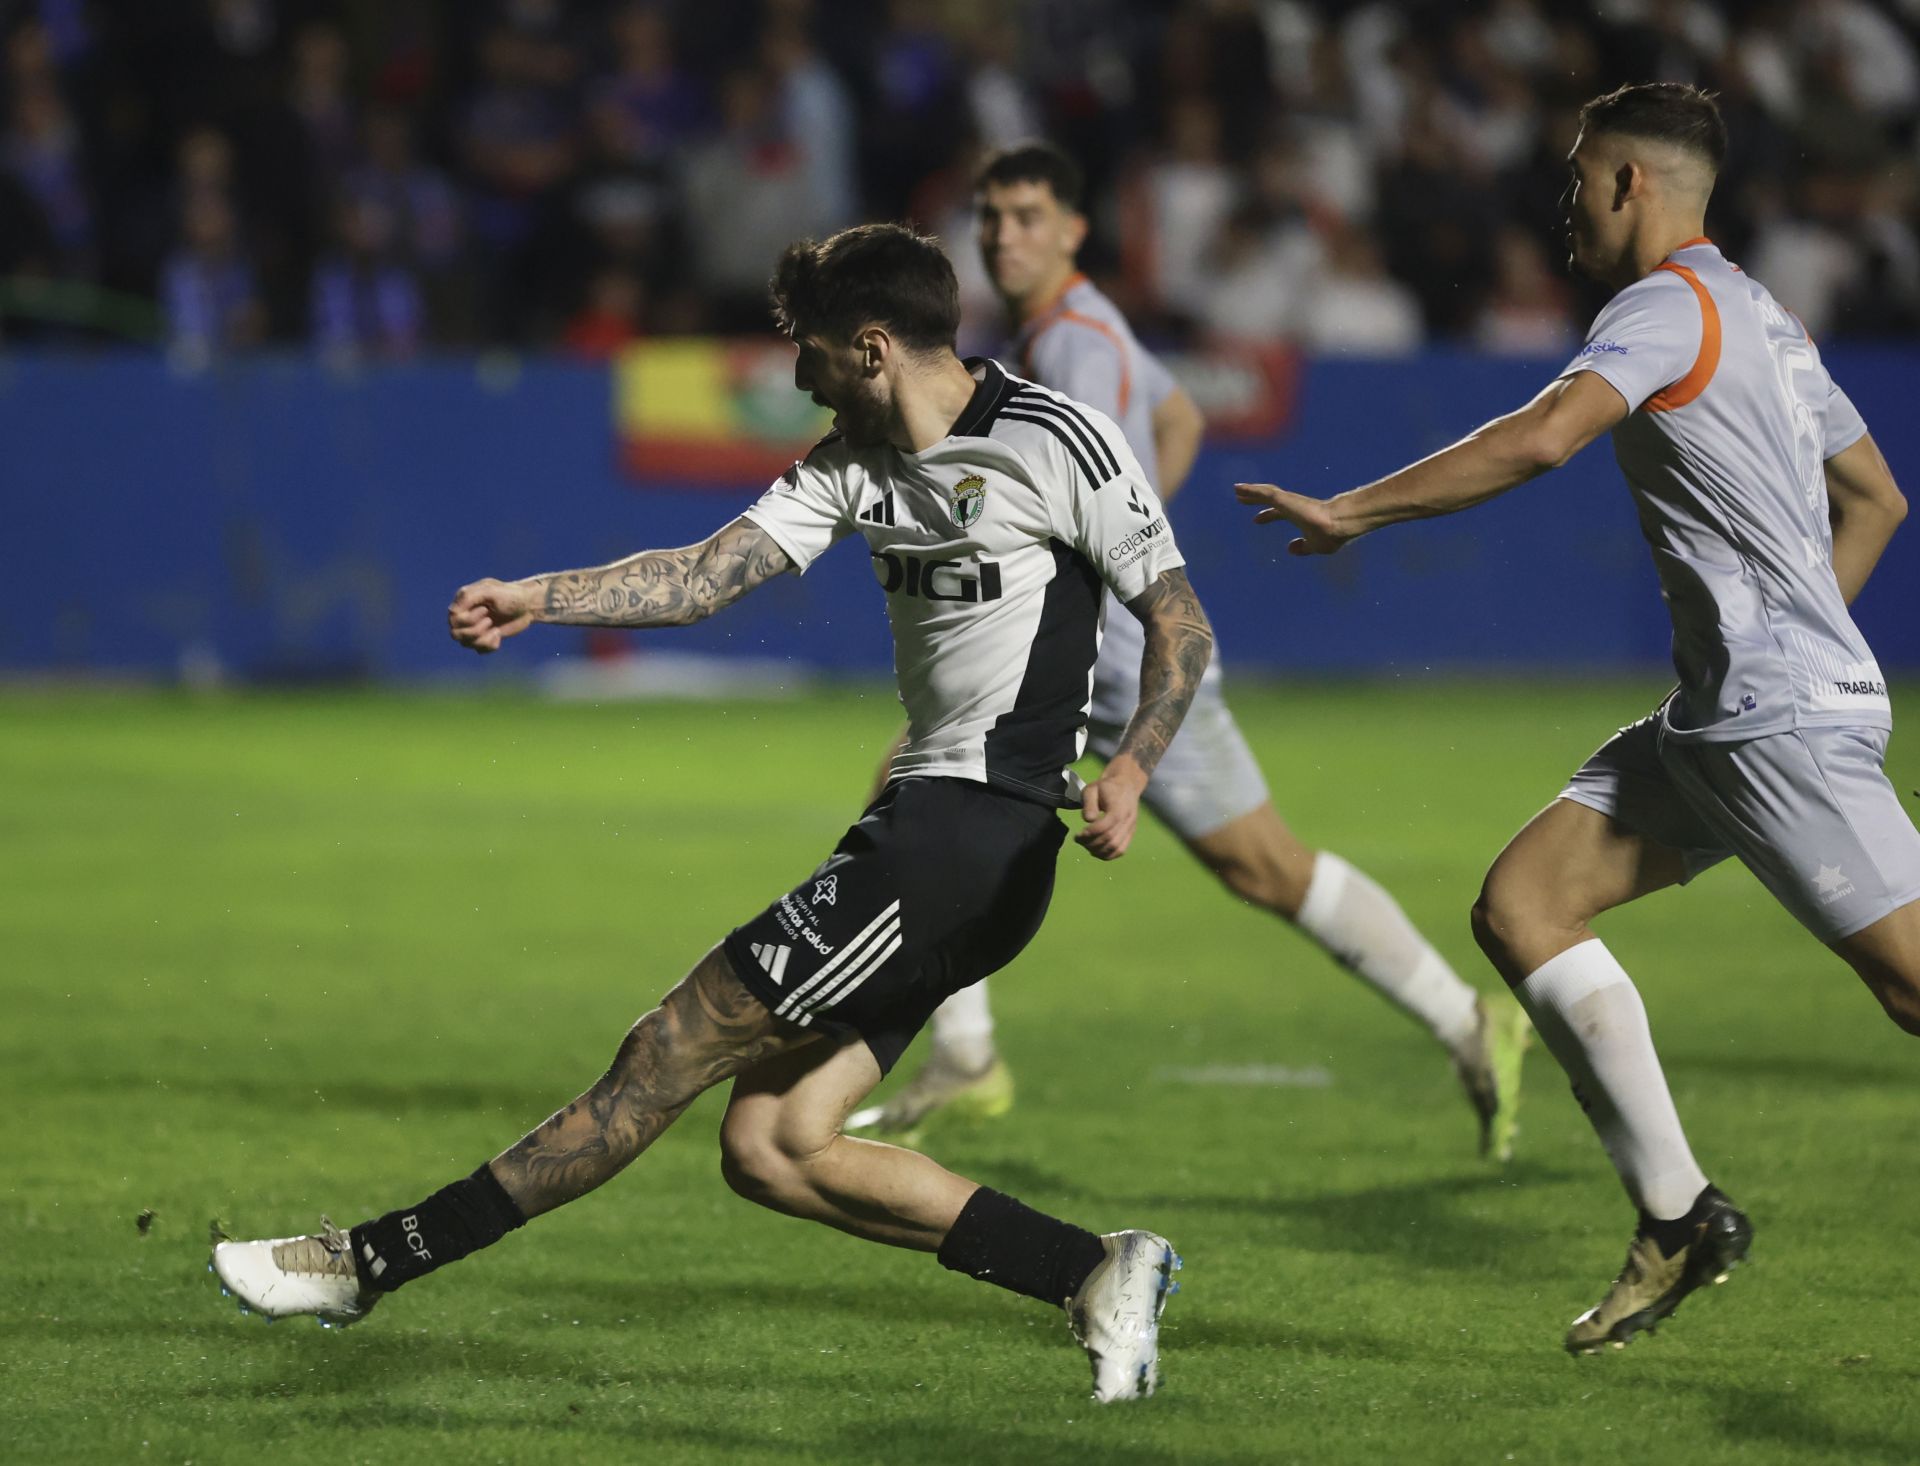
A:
(454, 1221)
(1671, 1236)
(1005, 1242)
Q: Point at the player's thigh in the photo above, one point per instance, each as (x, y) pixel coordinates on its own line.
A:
(1571, 862)
(710, 1026)
(794, 1105)
(1886, 955)
(1619, 830)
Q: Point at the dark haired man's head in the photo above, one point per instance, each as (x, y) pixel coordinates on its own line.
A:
(1682, 117)
(1028, 199)
(1036, 161)
(1643, 168)
(873, 274)
(862, 307)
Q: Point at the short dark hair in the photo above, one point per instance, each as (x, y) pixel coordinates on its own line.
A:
(1665, 111)
(1036, 161)
(884, 274)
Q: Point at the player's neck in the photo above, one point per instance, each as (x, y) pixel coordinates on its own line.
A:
(1045, 296)
(928, 401)
(1652, 248)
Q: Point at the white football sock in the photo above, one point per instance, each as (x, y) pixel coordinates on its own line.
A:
(1366, 932)
(962, 1029)
(1588, 1012)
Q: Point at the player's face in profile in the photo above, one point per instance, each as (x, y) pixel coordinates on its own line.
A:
(835, 376)
(1591, 223)
(1027, 237)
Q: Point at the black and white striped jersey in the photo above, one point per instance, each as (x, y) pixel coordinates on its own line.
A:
(992, 547)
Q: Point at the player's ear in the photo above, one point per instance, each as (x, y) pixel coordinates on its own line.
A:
(1076, 230)
(874, 346)
(1629, 181)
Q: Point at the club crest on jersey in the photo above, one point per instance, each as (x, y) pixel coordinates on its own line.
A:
(969, 498)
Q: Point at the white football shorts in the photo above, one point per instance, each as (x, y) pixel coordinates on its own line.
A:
(1208, 777)
(1811, 812)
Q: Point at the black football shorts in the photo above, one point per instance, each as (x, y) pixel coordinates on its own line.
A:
(942, 882)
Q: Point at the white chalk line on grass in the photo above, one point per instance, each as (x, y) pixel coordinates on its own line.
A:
(1248, 1076)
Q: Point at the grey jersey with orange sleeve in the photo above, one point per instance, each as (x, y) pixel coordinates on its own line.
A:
(1731, 418)
(1082, 346)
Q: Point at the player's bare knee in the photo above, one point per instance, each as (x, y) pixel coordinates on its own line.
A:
(1272, 875)
(1273, 882)
(1493, 918)
(766, 1161)
(752, 1165)
(1512, 924)
(1899, 994)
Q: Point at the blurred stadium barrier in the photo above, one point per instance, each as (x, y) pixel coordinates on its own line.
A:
(276, 519)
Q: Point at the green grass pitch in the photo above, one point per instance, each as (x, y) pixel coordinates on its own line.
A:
(265, 956)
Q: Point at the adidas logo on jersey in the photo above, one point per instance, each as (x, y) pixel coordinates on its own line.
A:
(880, 511)
(772, 959)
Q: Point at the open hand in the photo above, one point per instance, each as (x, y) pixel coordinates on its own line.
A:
(1320, 530)
(487, 612)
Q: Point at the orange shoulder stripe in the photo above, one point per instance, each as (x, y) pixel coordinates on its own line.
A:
(1706, 362)
(1054, 312)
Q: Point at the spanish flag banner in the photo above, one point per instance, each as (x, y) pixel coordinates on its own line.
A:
(703, 411)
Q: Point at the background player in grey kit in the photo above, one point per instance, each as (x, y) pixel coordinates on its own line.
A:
(1208, 790)
(1014, 509)
(1766, 506)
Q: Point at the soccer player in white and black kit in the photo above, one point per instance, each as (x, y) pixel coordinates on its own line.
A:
(995, 514)
(1766, 505)
(1208, 790)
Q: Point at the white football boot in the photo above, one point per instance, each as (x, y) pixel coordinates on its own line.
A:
(283, 1277)
(1116, 1314)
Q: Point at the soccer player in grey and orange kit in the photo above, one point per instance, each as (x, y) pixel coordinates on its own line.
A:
(1208, 790)
(1766, 505)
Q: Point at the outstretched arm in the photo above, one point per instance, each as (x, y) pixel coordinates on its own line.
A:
(652, 588)
(1865, 507)
(1179, 646)
(1178, 427)
(1563, 419)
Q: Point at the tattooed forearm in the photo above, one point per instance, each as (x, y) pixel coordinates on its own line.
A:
(664, 587)
(707, 1029)
(1179, 646)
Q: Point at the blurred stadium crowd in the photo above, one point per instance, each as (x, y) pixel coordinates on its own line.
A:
(382, 177)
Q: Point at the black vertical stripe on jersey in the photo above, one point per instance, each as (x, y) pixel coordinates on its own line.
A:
(988, 398)
(1096, 445)
(1066, 441)
(1030, 745)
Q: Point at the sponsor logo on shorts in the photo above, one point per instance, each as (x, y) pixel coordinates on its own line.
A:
(826, 890)
(797, 922)
(1832, 883)
(1610, 348)
(1860, 689)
